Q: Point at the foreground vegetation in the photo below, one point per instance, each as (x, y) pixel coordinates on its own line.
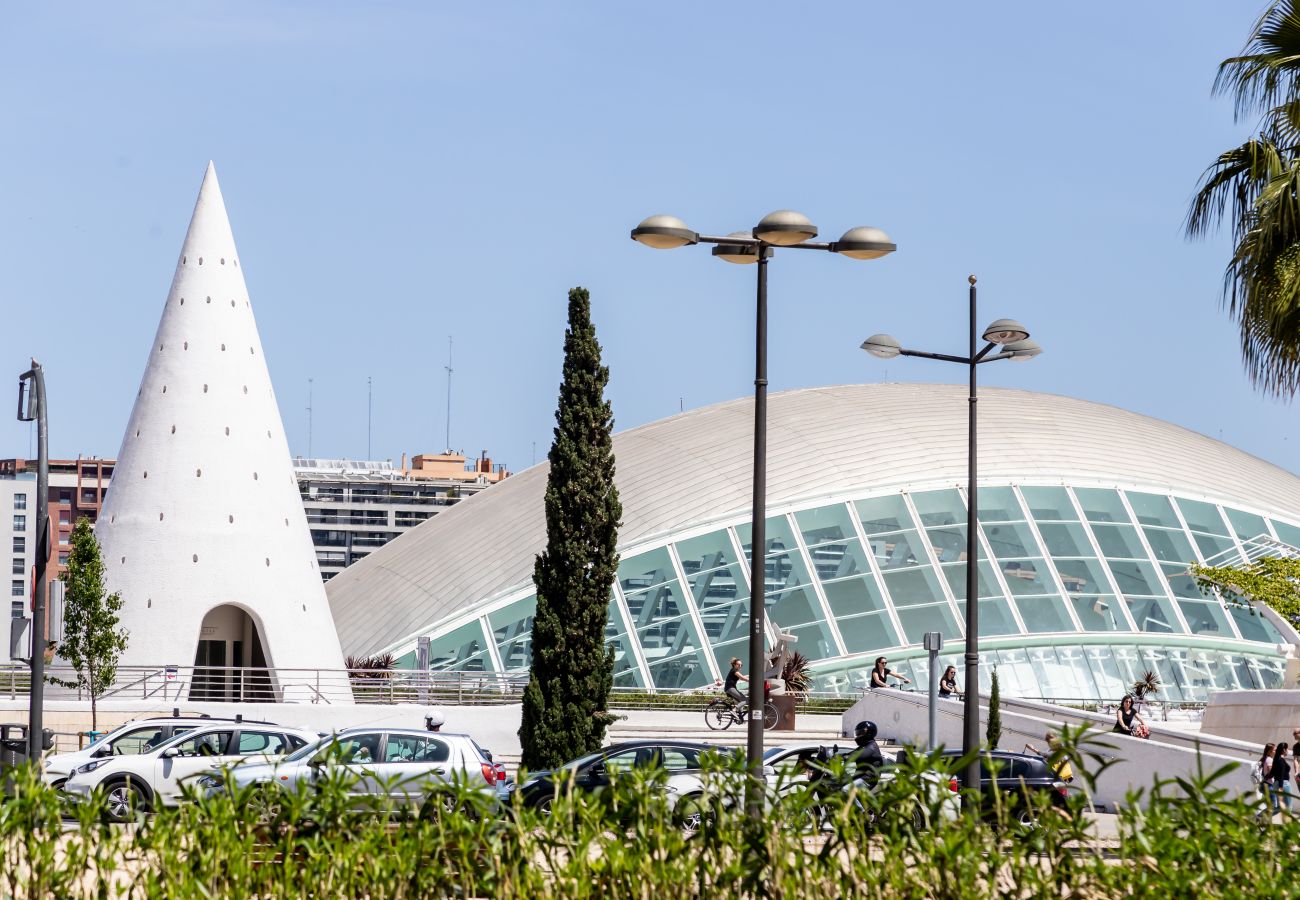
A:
(1185, 839)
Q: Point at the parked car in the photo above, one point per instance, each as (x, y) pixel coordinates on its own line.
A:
(787, 771)
(379, 766)
(139, 782)
(1018, 777)
(133, 737)
(593, 772)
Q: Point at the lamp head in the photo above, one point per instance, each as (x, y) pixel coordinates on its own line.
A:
(864, 242)
(1022, 351)
(785, 228)
(740, 254)
(664, 233)
(882, 346)
(1005, 331)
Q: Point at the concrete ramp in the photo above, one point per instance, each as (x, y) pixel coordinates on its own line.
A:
(903, 717)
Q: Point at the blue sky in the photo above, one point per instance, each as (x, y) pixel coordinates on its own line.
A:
(397, 172)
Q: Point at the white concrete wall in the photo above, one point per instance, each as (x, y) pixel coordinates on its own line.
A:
(904, 718)
(1256, 717)
(203, 508)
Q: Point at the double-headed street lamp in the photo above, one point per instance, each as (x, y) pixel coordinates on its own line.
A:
(1013, 340)
(784, 228)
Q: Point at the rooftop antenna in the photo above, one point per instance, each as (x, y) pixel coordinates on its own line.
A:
(309, 418)
(370, 409)
(681, 404)
(534, 452)
(449, 371)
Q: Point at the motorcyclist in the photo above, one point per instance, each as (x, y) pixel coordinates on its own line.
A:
(867, 758)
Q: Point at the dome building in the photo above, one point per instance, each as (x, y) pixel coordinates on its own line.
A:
(1089, 517)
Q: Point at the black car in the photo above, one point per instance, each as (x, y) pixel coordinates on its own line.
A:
(593, 772)
(1018, 777)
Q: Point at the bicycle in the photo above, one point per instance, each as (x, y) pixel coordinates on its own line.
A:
(722, 713)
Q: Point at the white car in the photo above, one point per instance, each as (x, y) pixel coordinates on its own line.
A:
(156, 777)
(134, 737)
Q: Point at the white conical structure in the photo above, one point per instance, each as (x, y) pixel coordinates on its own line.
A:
(203, 513)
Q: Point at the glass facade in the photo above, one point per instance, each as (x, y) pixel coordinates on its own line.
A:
(1081, 589)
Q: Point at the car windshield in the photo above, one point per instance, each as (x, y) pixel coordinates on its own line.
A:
(583, 760)
(304, 752)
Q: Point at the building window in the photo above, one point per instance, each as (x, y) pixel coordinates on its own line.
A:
(20, 545)
(63, 559)
(65, 517)
(20, 567)
(18, 588)
(89, 495)
(20, 501)
(20, 523)
(65, 496)
(63, 538)
(17, 609)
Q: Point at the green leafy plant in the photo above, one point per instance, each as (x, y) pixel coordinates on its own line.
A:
(1275, 582)
(993, 731)
(797, 674)
(370, 668)
(565, 705)
(92, 641)
(1149, 683)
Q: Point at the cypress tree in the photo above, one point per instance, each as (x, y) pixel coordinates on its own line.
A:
(565, 703)
(994, 730)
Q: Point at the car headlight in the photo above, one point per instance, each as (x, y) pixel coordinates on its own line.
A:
(672, 789)
(90, 766)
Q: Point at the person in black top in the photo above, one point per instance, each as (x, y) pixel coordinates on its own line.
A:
(1126, 716)
(879, 674)
(867, 758)
(733, 675)
(1279, 785)
(948, 683)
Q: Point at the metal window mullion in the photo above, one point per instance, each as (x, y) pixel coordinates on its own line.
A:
(890, 610)
(688, 597)
(816, 582)
(1048, 561)
(986, 550)
(494, 652)
(1102, 561)
(1151, 557)
(633, 639)
(1200, 557)
(944, 587)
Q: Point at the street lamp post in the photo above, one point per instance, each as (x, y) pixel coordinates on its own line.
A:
(785, 229)
(31, 406)
(1014, 342)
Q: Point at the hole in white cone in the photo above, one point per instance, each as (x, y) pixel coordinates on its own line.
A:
(196, 557)
(198, 473)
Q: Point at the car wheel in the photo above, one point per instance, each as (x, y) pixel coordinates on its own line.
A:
(58, 785)
(440, 804)
(1026, 819)
(125, 801)
(545, 805)
(267, 806)
(692, 813)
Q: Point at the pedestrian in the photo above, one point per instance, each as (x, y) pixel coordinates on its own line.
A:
(880, 674)
(1280, 777)
(1127, 718)
(1061, 767)
(948, 683)
(1261, 772)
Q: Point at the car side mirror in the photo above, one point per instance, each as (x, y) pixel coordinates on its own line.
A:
(101, 752)
(315, 763)
(170, 753)
(597, 770)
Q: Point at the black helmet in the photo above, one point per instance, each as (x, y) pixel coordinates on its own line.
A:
(865, 731)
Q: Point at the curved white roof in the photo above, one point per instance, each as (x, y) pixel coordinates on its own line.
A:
(694, 468)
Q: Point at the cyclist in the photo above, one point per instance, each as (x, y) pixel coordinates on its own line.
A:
(733, 675)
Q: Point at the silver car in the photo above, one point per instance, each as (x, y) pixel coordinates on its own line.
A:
(380, 767)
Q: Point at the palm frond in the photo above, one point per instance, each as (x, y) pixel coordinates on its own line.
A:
(1264, 76)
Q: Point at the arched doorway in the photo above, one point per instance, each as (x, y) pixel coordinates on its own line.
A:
(230, 662)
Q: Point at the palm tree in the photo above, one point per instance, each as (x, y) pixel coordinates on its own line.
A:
(1256, 189)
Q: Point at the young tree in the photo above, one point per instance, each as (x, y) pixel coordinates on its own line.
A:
(92, 642)
(994, 730)
(565, 703)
